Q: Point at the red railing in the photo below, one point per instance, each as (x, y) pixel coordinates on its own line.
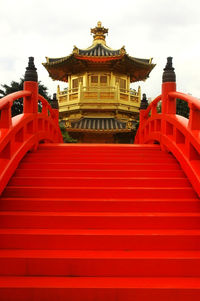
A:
(24, 132)
(175, 134)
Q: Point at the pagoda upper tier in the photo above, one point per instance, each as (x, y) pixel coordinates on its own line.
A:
(98, 57)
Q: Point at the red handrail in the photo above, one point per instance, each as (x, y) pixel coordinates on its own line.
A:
(153, 104)
(9, 99)
(24, 132)
(188, 98)
(175, 133)
(46, 106)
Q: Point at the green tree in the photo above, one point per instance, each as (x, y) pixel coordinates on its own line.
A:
(66, 136)
(14, 86)
(182, 108)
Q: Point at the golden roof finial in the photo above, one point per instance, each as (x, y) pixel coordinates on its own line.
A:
(99, 32)
(99, 24)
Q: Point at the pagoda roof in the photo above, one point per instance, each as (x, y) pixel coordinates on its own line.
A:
(99, 125)
(98, 57)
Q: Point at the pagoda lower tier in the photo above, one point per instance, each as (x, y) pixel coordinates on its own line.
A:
(99, 114)
(101, 130)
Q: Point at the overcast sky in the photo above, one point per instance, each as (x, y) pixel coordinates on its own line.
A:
(147, 28)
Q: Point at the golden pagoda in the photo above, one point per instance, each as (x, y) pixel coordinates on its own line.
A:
(98, 105)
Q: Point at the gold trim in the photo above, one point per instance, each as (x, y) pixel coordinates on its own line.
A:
(99, 131)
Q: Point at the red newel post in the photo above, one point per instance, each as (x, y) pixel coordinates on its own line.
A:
(31, 84)
(168, 103)
(168, 85)
(54, 105)
(31, 102)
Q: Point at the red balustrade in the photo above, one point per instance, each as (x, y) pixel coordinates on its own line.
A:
(24, 132)
(175, 134)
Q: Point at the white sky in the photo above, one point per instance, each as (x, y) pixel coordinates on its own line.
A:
(147, 28)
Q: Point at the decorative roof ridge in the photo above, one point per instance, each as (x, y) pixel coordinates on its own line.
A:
(93, 46)
(99, 50)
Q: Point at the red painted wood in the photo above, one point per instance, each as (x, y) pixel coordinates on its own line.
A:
(100, 205)
(98, 173)
(86, 263)
(100, 288)
(24, 132)
(99, 181)
(175, 134)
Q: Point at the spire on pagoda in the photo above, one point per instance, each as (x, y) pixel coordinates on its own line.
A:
(99, 33)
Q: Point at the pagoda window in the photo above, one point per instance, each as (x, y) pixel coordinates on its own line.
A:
(99, 80)
(103, 80)
(94, 80)
(76, 81)
(122, 83)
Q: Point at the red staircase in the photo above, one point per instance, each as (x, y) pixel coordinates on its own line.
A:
(99, 222)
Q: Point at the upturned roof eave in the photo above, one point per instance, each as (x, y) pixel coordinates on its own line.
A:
(56, 61)
(124, 58)
(99, 58)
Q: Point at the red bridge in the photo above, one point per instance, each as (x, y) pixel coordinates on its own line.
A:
(100, 222)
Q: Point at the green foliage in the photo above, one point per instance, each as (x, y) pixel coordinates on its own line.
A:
(66, 136)
(17, 107)
(159, 107)
(136, 126)
(182, 108)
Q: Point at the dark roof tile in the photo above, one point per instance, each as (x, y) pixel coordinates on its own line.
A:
(98, 124)
(99, 50)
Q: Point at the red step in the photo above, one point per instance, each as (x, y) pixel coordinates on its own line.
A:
(98, 148)
(98, 182)
(100, 239)
(100, 159)
(100, 288)
(100, 205)
(99, 192)
(95, 263)
(99, 220)
(99, 166)
(99, 173)
(155, 156)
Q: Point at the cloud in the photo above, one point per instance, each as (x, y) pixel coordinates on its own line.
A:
(157, 28)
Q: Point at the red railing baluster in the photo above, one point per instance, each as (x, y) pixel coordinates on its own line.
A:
(154, 110)
(194, 118)
(44, 109)
(5, 120)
